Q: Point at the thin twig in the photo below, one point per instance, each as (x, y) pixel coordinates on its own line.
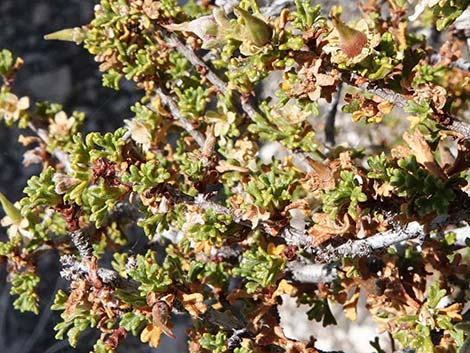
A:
(330, 119)
(185, 123)
(202, 202)
(241, 103)
(401, 101)
(189, 54)
(219, 318)
(290, 235)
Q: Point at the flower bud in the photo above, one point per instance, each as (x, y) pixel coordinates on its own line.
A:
(255, 29)
(211, 29)
(351, 41)
(63, 183)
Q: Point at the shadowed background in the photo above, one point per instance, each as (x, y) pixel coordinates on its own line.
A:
(65, 73)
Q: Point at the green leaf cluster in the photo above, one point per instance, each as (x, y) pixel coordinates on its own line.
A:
(25, 286)
(152, 277)
(427, 193)
(347, 193)
(259, 268)
(6, 62)
(417, 330)
(40, 191)
(273, 189)
(215, 343)
(147, 175)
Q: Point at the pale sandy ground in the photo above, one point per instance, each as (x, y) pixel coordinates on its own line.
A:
(347, 336)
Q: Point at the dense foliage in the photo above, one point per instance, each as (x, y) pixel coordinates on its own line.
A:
(241, 197)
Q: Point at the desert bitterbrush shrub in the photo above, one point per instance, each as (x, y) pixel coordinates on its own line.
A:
(246, 197)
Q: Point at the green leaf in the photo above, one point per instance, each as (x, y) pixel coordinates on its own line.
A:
(214, 343)
(132, 322)
(435, 294)
(321, 312)
(25, 285)
(6, 62)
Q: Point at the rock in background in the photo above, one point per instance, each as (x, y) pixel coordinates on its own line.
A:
(64, 73)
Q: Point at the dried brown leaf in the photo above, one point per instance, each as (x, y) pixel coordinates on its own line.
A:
(256, 215)
(321, 178)
(151, 334)
(350, 307)
(284, 287)
(453, 311)
(325, 227)
(423, 153)
(273, 334)
(194, 304)
(383, 189)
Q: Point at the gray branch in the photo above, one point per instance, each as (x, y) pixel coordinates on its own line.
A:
(223, 319)
(460, 127)
(189, 54)
(275, 7)
(296, 238)
(81, 240)
(460, 64)
(122, 212)
(75, 270)
(305, 271)
(367, 246)
(241, 103)
(185, 123)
